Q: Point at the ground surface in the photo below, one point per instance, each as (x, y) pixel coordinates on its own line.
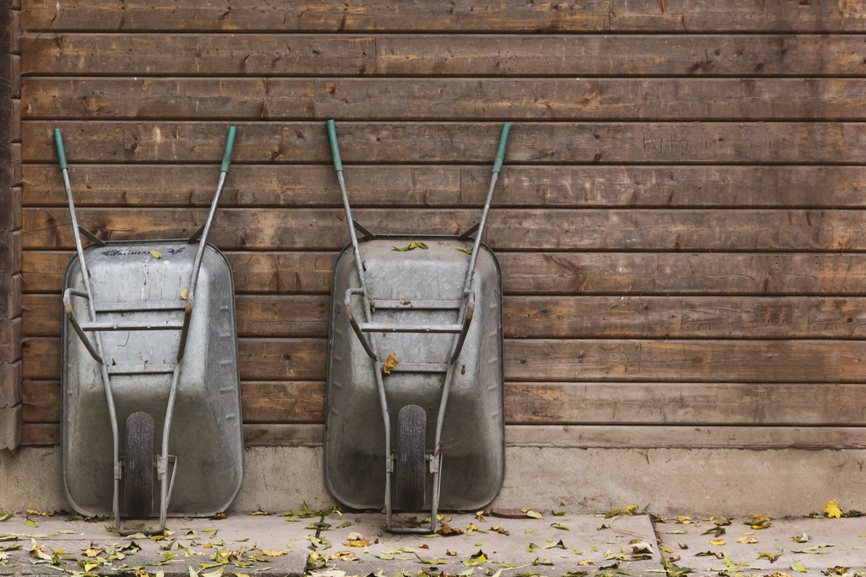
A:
(331, 544)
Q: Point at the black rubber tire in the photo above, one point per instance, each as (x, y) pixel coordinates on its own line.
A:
(138, 468)
(409, 469)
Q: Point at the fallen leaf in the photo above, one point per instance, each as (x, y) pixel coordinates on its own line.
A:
(267, 553)
(344, 556)
(412, 246)
(559, 544)
(357, 543)
(759, 521)
(478, 559)
(183, 294)
(7, 516)
(30, 522)
(683, 520)
(466, 250)
(500, 530)
(560, 527)
(585, 562)
(813, 550)
(717, 542)
(40, 513)
(640, 547)
(802, 538)
(93, 552)
(797, 566)
(219, 516)
(155, 254)
(747, 540)
(355, 536)
(390, 363)
(771, 556)
(832, 509)
(717, 531)
(531, 513)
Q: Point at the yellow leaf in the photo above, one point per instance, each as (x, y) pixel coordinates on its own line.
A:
(717, 542)
(88, 566)
(586, 562)
(183, 294)
(747, 540)
(390, 363)
(93, 552)
(683, 520)
(155, 254)
(357, 543)
(832, 509)
(40, 513)
(630, 510)
(267, 553)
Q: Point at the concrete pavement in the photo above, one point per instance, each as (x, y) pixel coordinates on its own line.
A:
(331, 544)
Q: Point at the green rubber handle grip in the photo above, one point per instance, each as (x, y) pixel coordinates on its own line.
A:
(503, 141)
(61, 154)
(230, 144)
(335, 149)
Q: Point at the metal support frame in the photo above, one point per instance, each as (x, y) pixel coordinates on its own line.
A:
(96, 351)
(464, 316)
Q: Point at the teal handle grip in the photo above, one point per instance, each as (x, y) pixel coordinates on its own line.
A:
(503, 141)
(230, 144)
(335, 149)
(61, 154)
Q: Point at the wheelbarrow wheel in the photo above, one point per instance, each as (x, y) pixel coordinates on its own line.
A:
(138, 470)
(411, 446)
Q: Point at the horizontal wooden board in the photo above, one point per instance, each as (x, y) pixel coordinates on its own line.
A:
(737, 15)
(507, 229)
(577, 437)
(444, 99)
(442, 55)
(827, 274)
(664, 437)
(453, 186)
(299, 316)
(447, 16)
(445, 142)
(319, 16)
(565, 360)
(672, 404)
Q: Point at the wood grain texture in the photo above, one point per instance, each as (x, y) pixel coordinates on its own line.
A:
(672, 404)
(454, 16)
(565, 360)
(737, 15)
(450, 186)
(445, 54)
(444, 99)
(578, 437)
(299, 316)
(534, 273)
(508, 229)
(446, 142)
(305, 16)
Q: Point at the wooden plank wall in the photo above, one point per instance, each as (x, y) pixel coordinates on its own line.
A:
(11, 408)
(681, 220)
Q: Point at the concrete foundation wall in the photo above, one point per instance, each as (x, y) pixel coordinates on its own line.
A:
(781, 482)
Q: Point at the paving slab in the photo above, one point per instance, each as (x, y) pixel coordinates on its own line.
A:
(194, 543)
(525, 546)
(845, 540)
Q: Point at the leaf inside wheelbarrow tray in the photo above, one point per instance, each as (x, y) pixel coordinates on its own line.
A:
(416, 244)
(155, 254)
(390, 363)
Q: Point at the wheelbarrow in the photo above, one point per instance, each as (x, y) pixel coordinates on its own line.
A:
(416, 322)
(149, 339)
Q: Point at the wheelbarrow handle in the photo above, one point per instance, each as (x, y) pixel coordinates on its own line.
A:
(350, 312)
(70, 314)
(61, 154)
(503, 142)
(230, 144)
(335, 148)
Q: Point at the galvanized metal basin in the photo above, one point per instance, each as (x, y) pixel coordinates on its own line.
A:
(473, 431)
(130, 284)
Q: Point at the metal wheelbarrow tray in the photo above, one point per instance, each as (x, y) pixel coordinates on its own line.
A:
(417, 327)
(147, 331)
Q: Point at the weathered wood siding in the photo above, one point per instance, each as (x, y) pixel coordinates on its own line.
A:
(680, 223)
